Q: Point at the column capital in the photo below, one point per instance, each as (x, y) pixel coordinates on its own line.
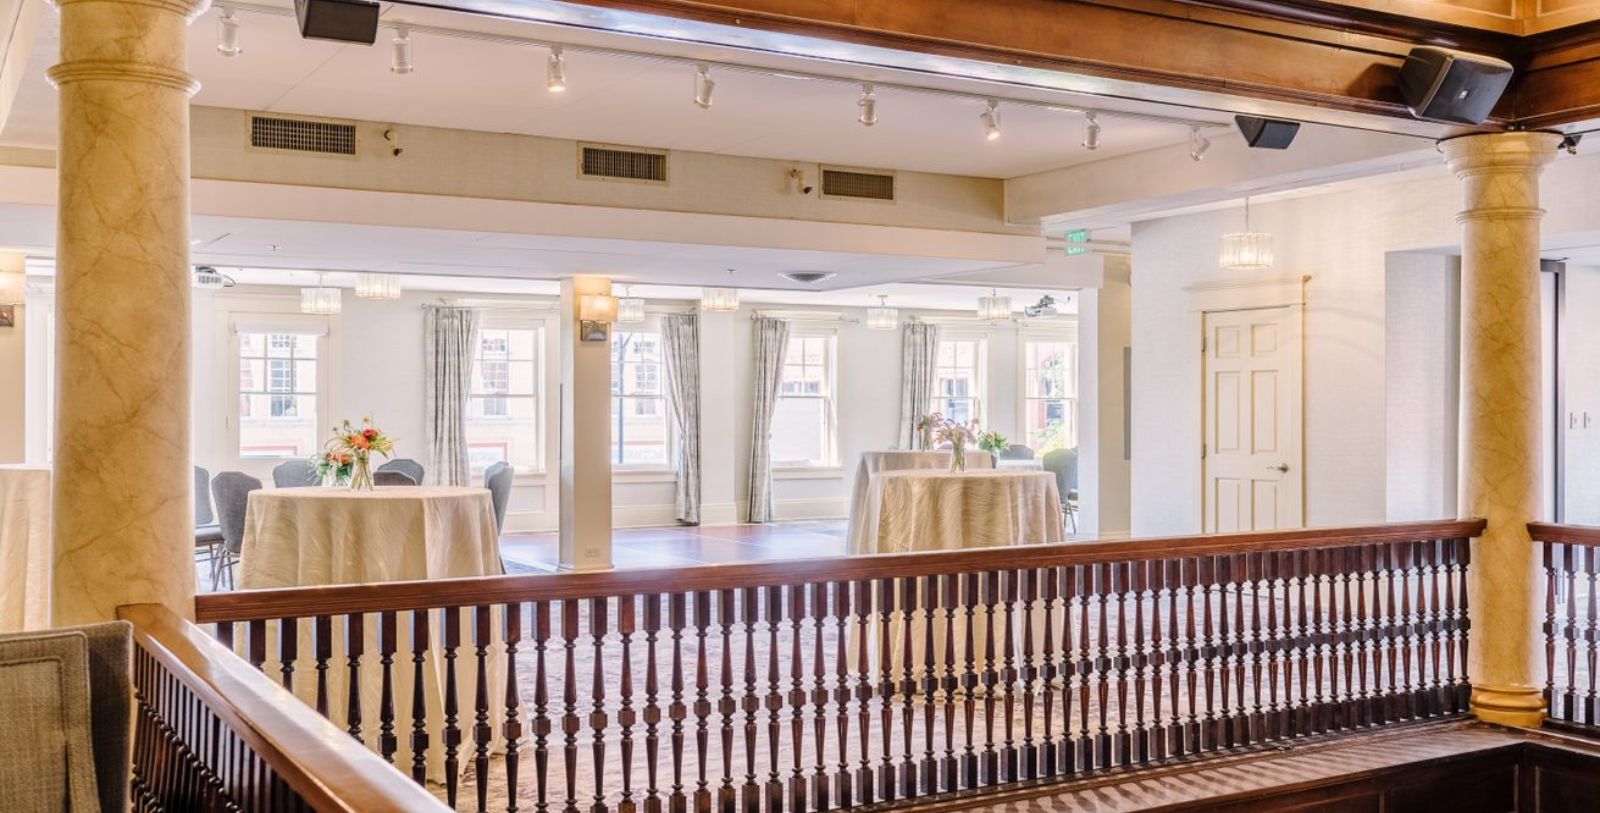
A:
(189, 9)
(1520, 151)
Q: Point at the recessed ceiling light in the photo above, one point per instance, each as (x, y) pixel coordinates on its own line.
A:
(808, 277)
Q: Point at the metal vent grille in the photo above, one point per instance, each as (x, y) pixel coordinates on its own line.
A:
(633, 165)
(324, 137)
(839, 183)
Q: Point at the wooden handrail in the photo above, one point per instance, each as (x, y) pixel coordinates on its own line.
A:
(358, 598)
(1566, 534)
(323, 765)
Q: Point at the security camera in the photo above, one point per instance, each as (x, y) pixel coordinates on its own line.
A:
(393, 138)
(798, 178)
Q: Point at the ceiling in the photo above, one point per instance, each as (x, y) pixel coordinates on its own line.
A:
(496, 86)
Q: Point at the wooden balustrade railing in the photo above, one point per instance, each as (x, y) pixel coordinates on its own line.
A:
(1571, 622)
(836, 683)
(212, 734)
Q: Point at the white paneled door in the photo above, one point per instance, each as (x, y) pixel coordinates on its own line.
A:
(1252, 456)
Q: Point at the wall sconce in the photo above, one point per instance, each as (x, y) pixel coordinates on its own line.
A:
(13, 292)
(596, 312)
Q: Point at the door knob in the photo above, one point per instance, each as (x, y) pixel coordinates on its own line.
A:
(1281, 468)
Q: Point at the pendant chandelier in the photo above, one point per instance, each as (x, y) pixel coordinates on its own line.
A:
(629, 309)
(378, 286)
(321, 300)
(993, 306)
(720, 300)
(1247, 250)
(883, 317)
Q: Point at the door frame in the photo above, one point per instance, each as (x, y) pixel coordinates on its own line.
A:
(1250, 293)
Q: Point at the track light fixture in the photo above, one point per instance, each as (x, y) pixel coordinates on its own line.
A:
(555, 79)
(1091, 131)
(228, 34)
(1198, 143)
(704, 86)
(991, 120)
(401, 61)
(868, 105)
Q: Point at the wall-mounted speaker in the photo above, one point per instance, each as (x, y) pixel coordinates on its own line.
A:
(1446, 85)
(1267, 134)
(338, 20)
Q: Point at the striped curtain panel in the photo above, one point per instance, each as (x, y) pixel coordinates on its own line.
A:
(451, 337)
(680, 349)
(772, 342)
(919, 352)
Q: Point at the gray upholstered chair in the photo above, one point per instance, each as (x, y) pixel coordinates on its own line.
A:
(392, 477)
(207, 534)
(72, 734)
(295, 474)
(1064, 464)
(406, 465)
(1017, 451)
(231, 492)
(497, 478)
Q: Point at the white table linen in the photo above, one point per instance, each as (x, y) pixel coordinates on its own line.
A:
(897, 460)
(1031, 464)
(26, 558)
(297, 537)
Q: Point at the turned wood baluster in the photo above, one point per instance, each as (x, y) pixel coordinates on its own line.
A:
(569, 701)
(1122, 745)
(1569, 558)
(1366, 652)
(627, 625)
(541, 707)
(388, 644)
(288, 649)
(1255, 581)
(907, 687)
(1551, 579)
(1405, 624)
(1305, 643)
(452, 636)
(482, 732)
(751, 792)
(1194, 656)
(1314, 570)
(511, 729)
(949, 599)
(820, 795)
(1239, 578)
(224, 631)
(1050, 671)
(1464, 557)
(991, 677)
(1347, 641)
(1008, 673)
(1450, 627)
(1141, 661)
(599, 625)
(1083, 590)
(887, 788)
(844, 789)
(702, 701)
(863, 690)
(419, 699)
(928, 686)
(652, 704)
(727, 706)
(774, 697)
(796, 700)
(1176, 660)
(1591, 635)
(1394, 618)
(1206, 573)
(969, 679)
(322, 632)
(1428, 597)
(1101, 590)
(1222, 734)
(354, 642)
(677, 619)
(1272, 574)
(1028, 671)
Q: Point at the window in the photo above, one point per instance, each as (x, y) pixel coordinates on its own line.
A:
(639, 432)
(1050, 394)
(958, 380)
(803, 421)
(503, 404)
(277, 394)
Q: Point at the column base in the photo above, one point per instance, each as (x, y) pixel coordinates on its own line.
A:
(1516, 706)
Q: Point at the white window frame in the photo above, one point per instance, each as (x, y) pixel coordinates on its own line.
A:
(652, 324)
(234, 323)
(1053, 333)
(830, 440)
(980, 396)
(541, 361)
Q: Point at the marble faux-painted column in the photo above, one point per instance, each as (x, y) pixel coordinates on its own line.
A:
(123, 518)
(1500, 413)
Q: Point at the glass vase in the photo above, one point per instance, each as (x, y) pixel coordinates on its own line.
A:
(925, 439)
(958, 456)
(361, 473)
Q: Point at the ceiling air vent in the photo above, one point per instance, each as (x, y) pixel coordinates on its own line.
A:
(623, 163)
(299, 135)
(845, 183)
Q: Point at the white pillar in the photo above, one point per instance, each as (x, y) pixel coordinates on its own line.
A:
(585, 436)
(1105, 332)
(13, 372)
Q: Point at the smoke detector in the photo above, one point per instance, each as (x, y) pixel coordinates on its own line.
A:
(210, 278)
(808, 277)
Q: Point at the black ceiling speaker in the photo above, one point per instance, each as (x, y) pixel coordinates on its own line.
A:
(338, 20)
(1267, 134)
(1446, 85)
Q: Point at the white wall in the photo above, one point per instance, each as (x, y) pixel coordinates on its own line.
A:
(1422, 365)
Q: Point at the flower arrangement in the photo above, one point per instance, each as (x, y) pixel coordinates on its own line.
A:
(958, 435)
(347, 456)
(926, 426)
(993, 442)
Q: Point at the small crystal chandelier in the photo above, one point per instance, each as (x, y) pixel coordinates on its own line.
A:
(378, 286)
(883, 317)
(1247, 250)
(720, 300)
(629, 309)
(994, 307)
(321, 300)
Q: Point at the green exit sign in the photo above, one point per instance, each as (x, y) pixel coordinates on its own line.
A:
(1078, 236)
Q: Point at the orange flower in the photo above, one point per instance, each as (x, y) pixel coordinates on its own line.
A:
(360, 442)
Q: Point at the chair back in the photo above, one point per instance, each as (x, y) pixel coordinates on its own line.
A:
(497, 478)
(1017, 451)
(203, 515)
(231, 491)
(295, 474)
(392, 477)
(407, 466)
(1064, 464)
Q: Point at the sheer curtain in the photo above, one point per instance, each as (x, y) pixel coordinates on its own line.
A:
(451, 339)
(919, 352)
(680, 349)
(772, 341)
